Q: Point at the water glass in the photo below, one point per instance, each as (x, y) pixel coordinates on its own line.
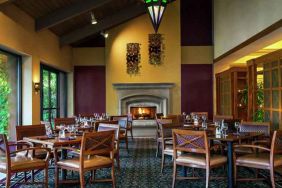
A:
(237, 126)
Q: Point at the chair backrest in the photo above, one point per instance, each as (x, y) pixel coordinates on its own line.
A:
(5, 150)
(96, 143)
(64, 121)
(30, 130)
(48, 127)
(107, 127)
(276, 144)
(122, 121)
(166, 130)
(174, 118)
(260, 127)
(222, 117)
(97, 123)
(159, 115)
(190, 141)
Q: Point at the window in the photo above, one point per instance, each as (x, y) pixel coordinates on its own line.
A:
(53, 93)
(10, 92)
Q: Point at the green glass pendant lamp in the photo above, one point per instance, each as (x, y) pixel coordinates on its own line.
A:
(156, 9)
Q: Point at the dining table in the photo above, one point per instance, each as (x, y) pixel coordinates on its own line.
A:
(56, 142)
(230, 139)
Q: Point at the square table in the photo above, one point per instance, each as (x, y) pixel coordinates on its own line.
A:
(230, 139)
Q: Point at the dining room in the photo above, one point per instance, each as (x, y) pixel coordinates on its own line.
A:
(140, 93)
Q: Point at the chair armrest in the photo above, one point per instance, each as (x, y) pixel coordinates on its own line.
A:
(251, 146)
(34, 149)
(261, 142)
(75, 150)
(22, 143)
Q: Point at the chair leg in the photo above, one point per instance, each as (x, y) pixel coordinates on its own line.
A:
(235, 174)
(113, 176)
(82, 181)
(8, 180)
(32, 176)
(158, 148)
(174, 175)
(272, 177)
(56, 176)
(207, 177)
(163, 161)
(46, 177)
(93, 174)
(131, 133)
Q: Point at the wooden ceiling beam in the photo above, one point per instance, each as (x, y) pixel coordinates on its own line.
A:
(66, 13)
(106, 23)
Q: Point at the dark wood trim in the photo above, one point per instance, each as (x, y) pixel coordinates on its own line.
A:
(66, 13)
(254, 38)
(113, 20)
(108, 22)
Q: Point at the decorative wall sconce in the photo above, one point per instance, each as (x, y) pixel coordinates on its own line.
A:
(156, 49)
(36, 87)
(133, 58)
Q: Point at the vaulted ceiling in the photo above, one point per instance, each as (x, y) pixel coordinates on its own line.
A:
(71, 20)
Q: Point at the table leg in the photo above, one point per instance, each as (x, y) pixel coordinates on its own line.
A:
(64, 156)
(230, 165)
(184, 171)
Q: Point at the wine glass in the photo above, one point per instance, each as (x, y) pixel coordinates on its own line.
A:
(224, 128)
(237, 126)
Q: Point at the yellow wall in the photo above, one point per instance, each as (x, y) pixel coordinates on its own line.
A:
(196, 54)
(137, 30)
(237, 21)
(88, 56)
(17, 35)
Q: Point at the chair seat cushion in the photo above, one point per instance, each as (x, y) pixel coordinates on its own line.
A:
(243, 150)
(19, 163)
(259, 160)
(199, 159)
(96, 161)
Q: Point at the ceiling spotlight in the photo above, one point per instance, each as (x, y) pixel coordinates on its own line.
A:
(93, 19)
(105, 35)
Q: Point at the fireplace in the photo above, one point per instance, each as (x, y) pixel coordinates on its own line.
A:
(143, 112)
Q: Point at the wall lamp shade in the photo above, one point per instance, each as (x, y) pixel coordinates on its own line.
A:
(36, 87)
(156, 9)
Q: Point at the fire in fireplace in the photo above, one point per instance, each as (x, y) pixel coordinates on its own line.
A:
(143, 113)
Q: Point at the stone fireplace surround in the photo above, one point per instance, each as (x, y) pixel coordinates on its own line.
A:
(144, 94)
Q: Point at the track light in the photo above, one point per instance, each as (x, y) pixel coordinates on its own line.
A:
(93, 19)
(104, 34)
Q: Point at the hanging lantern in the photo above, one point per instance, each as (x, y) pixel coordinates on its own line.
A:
(156, 10)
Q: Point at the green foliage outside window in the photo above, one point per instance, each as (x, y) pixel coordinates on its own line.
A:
(4, 96)
(259, 114)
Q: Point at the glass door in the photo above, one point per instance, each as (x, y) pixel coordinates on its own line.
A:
(49, 94)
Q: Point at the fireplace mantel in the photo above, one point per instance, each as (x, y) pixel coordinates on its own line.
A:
(120, 86)
(140, 94)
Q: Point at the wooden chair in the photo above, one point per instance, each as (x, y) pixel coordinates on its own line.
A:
(28, 131)
(260, 127)
(174, 118)
(195, 153)
(91, 157)
(122, 121)
(222, 117)
(64, 121)
(11, 163)
(166, 141)
(48, 128)
(130, 123)
(116, 128)
(159, 122)
(270, 159)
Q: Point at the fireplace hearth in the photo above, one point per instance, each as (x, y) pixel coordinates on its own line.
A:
(143, 112)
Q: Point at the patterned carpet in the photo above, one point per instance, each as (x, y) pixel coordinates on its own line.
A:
(141, 169)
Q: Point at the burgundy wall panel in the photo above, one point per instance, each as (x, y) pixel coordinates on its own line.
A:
(196, 88)
(196, 22)
(89, 89)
